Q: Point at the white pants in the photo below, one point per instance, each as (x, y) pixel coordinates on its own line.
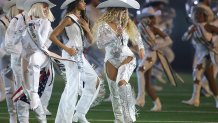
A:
(36, 61)
(67, 104)
(22, 107)
(9, 87)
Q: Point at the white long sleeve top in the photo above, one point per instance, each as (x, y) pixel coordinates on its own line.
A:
(12, 37)
(115, 47)
(42, 27)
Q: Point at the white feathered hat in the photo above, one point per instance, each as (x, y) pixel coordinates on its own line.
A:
(146, 12)
(8, 5)
(119, 3)
(66, 3)
(28, 4)
(20, 4)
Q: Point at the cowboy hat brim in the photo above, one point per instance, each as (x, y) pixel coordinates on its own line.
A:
(20, 4)
(66, 3)
(8, 5)
(29, 3)
(119, 3)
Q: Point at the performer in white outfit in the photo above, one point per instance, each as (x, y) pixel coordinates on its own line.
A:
(7, 76)
(165, 24)
(149, 33)
(34, 39)
(76, 27)
(15, 52)
(202, 33)
(112, 32)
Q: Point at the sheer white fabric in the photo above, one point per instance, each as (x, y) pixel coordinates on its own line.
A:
(115, 47)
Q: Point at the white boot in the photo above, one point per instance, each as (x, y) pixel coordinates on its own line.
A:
(157, 105)
(40, 114)
(140, 100)
(82, 108)
(79, 117)
(115, 99)
(128, 103)
(47, 112)
(216, 100)
(22, 111)
(195, 99)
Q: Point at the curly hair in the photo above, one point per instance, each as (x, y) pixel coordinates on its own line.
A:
(112, 15)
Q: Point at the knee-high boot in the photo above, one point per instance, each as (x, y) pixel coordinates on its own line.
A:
(128, 103)
(125, 92)
(116, 103)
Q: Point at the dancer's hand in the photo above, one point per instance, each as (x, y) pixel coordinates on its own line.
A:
(84, 24)
(71, 51)
(192, 29)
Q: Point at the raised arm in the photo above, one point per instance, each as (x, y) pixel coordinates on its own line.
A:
(167, 40)
(87, 30)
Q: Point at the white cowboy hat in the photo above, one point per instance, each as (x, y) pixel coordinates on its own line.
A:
(120, 3)
(146, 12)
(152, 1)
(66, 3)
(8, 5)
(207, 11)
(20, 4)
(28, 4)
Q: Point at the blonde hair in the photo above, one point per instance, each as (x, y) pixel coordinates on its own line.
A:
(13, 12)
(37, 12)
(111, 15)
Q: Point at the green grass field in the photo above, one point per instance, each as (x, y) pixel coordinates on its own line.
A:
(173, 110)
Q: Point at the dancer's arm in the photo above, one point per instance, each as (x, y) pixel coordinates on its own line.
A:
(57, 31)
(188, 34)
(167, 40)
(87, 30)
